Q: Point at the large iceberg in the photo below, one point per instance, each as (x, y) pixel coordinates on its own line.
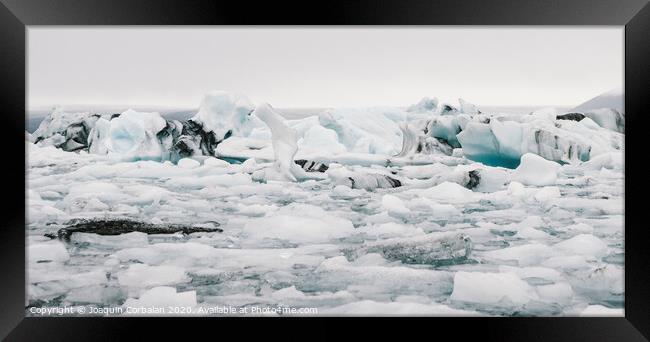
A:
(607, 118)
(366, 130)
(68, 131)
(134, 135)
(426, 105)
(503, 142)
(224, 114)
(284, 140)
(372, 135)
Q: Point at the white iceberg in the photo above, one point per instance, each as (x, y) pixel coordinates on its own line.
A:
(468, 108)
(132, 135)
(607, 118)
(162, 296)
(224, 114)
(425, 105)
(535, 170)
(284, 140)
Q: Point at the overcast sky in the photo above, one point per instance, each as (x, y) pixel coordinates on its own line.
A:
(322, 67)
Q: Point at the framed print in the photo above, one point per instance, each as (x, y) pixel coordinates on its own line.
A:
(443, 164)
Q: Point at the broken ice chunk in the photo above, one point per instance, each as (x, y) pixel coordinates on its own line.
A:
(163, 296)
(433, 249)
(491, 289)
(468, 108)
(425, 105)
(284, 140)
(142, 275)
(535, 170)
(47, 251)
(608, 118)
(394, 205)
(416, 141)
(132, 135)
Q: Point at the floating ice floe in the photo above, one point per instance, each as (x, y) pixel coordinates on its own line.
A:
(373, 308)
(160, 297)
(535, 170)
(492, 288)
(299, 223)
(435, 249)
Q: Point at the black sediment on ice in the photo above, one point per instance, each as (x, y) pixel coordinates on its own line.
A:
(123, 226)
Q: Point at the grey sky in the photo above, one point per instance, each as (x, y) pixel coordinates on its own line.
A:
(321, 67)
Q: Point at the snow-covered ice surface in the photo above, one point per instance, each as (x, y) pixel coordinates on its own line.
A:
(365, 226)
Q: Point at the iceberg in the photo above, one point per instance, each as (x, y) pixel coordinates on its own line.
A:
(225, 114)
(68, 131)
(372, 130)
(99, 137)
(468, 108)
(502, 143)
(318, 140)
(228, 126)
(446, 128)
(607, 118)
(416, 141)
(535, 170)
(425, 105)
(132, 135)
(480, 144)
(284, 140)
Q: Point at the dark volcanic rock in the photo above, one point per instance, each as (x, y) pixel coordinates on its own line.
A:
(123, 226)
(571, 116)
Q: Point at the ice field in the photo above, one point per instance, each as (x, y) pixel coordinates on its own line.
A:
(436, 209)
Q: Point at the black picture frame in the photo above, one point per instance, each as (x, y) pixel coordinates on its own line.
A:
(16, 15)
